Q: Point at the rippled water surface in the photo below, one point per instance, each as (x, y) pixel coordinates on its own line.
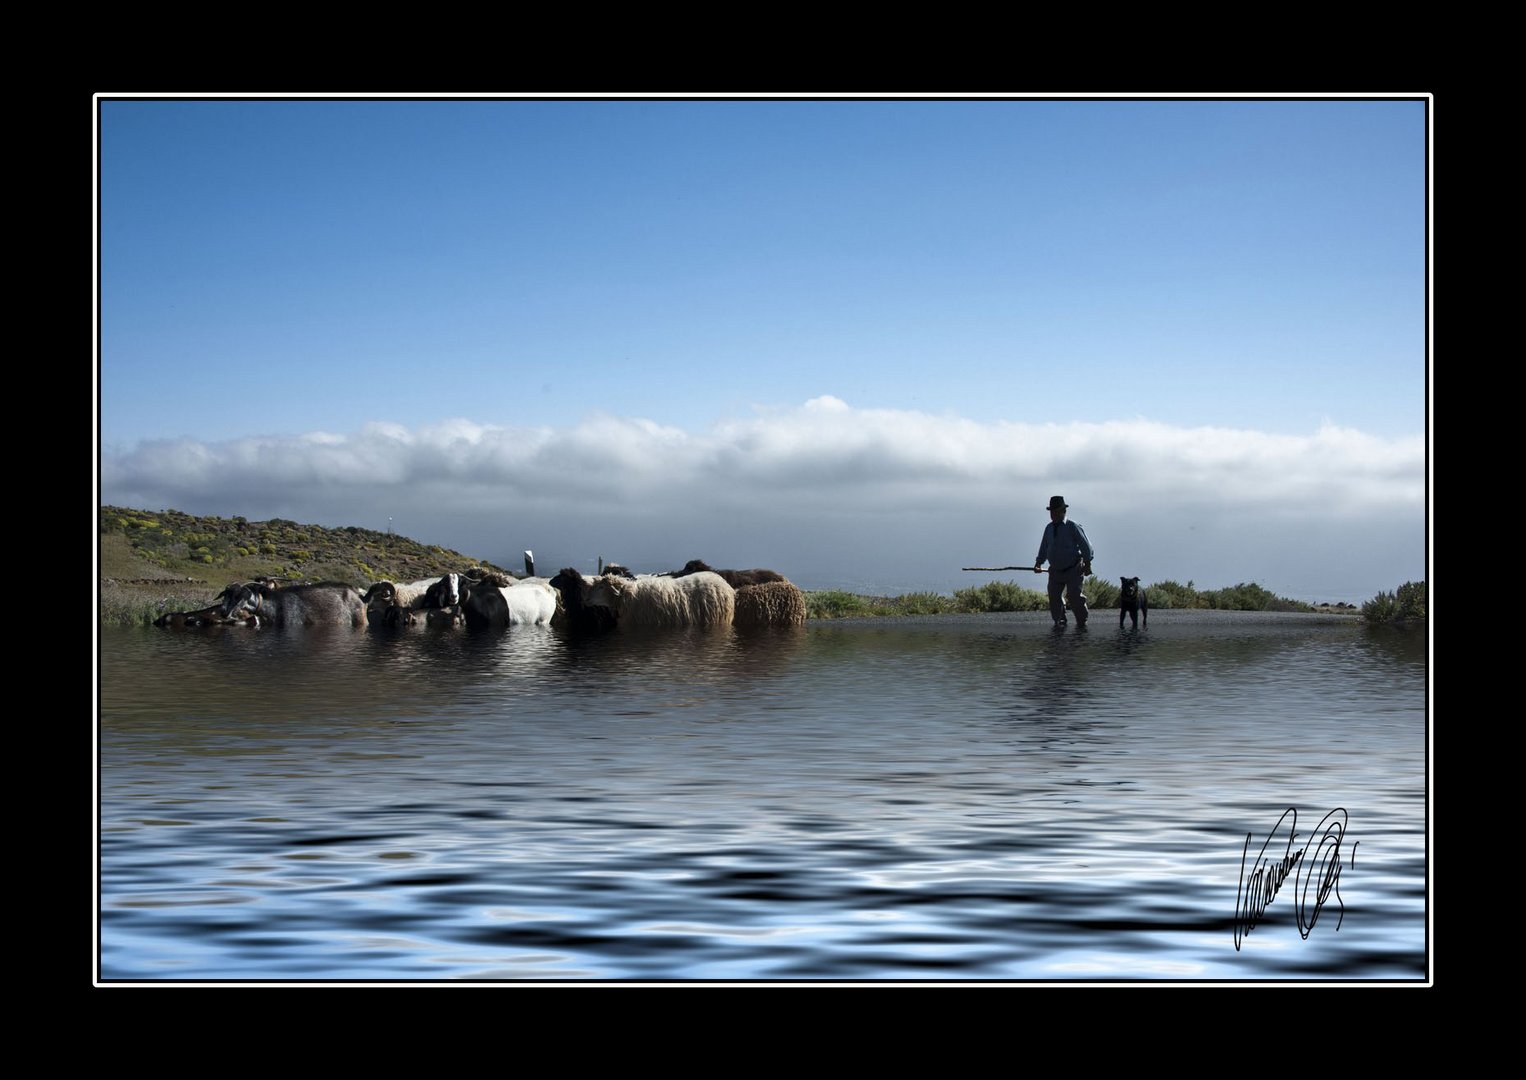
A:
(967, 797)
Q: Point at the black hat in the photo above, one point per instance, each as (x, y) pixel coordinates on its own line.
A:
(1058, 500)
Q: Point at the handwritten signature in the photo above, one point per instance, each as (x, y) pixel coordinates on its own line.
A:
(1317, 871)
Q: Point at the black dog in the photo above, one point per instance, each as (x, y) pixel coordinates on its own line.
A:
(1131, 601)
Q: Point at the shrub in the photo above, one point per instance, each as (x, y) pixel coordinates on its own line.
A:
(923, 603)
(1408, 604)
(1412, 600)
(1172, 594)
(1382, 608)
(1100, 593)
(834, 604)
(1000, 596)
(1241, 597)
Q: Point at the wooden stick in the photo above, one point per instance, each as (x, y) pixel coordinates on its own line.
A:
(1000, 568)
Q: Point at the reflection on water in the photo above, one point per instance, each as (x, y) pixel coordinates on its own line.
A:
(952, 798)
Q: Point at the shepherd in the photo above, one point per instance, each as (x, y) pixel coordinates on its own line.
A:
(1069, 555)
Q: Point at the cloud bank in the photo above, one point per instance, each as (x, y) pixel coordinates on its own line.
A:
(868, 494)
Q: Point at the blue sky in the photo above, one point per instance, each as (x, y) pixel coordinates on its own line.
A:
(1040, 294)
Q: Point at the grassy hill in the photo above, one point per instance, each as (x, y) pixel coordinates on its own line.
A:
(170, 561)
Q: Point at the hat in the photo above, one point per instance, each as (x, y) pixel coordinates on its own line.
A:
(1058, 501)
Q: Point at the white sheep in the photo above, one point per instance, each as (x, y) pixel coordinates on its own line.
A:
(702, 599)
(532, 602)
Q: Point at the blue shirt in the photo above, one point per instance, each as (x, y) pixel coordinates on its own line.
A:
(1064, 545)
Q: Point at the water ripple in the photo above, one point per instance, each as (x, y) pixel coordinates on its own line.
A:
(915, 799)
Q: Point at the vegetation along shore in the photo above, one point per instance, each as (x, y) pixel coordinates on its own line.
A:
(153, 562)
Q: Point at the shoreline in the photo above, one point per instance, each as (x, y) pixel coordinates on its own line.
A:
(138, 602)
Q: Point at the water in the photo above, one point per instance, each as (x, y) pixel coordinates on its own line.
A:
(949, 798)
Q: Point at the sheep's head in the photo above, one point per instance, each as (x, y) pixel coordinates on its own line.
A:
(383, 594)
(238, 600)
(394, 615)
(444, 593)
(609, 592)
(570, 585)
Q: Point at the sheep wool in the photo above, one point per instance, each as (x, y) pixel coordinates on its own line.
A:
(531, 603)
(773, 603)
(702, 599)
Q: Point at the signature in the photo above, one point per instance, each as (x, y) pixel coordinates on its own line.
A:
(1316, 874)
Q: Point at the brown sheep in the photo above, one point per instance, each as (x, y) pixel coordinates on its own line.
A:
(735, 578)
(771, 603)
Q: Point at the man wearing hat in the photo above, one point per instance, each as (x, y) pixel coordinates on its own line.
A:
(1069, 555)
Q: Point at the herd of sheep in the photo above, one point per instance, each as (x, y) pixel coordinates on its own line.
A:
(483, 600)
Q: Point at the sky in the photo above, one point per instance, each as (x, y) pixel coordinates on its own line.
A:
(860, 342)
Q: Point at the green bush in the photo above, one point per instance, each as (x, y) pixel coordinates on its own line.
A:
(1172, 594)
(1100, 593)
(1412, 600)
(1382, 608)
(924, 603)
(835, 604)
(1000, 596)
(1241, 597)
(1408, 604)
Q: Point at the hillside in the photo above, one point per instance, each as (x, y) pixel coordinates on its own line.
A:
(164, 560)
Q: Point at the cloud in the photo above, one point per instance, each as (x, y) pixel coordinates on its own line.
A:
(823, 470)
(823, 450)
